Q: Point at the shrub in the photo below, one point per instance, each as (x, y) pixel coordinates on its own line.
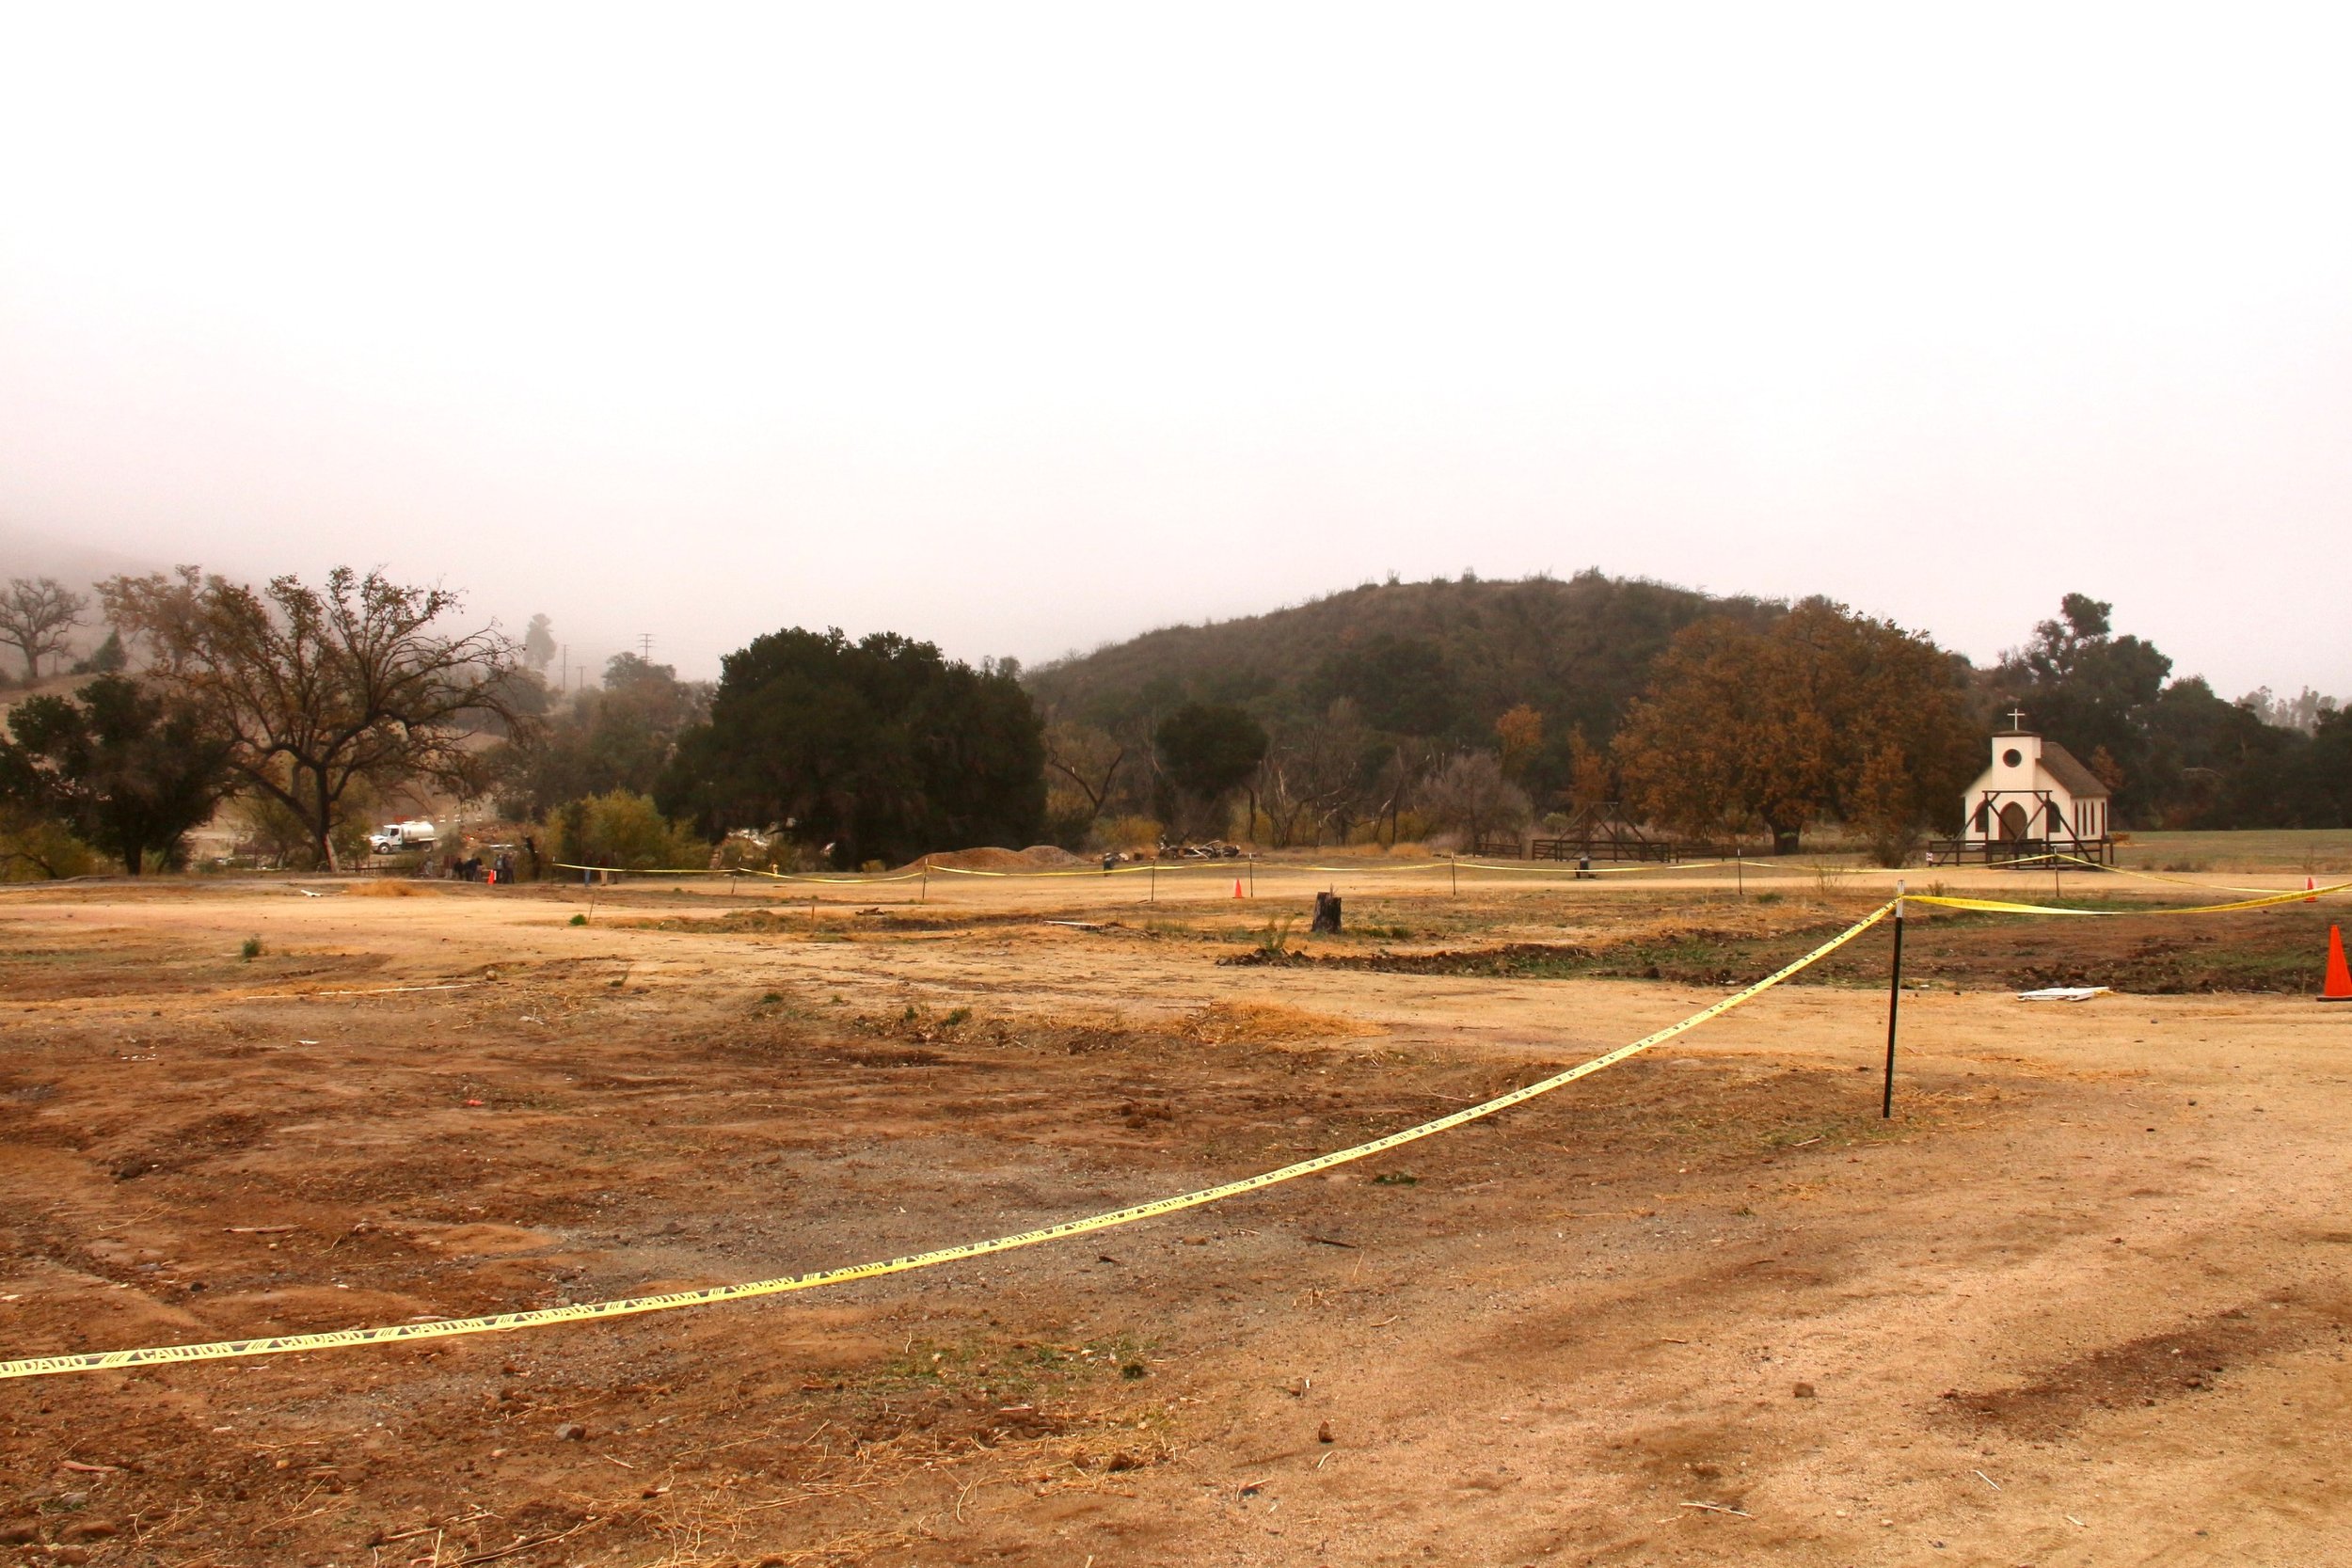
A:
(33, 849)
(624, 831)
(272, 835)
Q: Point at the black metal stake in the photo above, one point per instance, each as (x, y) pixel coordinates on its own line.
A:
(1894, 1004)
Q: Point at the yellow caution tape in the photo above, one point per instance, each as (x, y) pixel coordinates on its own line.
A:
(1995, 906)
(858, 879)
(855, 878)
(47, 1366)
(1237, 865)
(1563, 868)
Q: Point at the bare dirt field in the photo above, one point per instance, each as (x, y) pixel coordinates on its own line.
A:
(2083, 1301)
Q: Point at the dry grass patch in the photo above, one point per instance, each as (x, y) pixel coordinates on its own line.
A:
(1267, 1022)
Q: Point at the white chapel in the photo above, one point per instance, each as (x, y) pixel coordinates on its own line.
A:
(2036, 798)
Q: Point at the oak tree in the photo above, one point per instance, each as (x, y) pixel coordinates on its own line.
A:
(322, 691)
(1783, 726)
(37, 615)
(1208, 751)
(877, 748)
(128, 769)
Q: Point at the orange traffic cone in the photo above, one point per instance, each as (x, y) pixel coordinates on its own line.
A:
(2339, 985)
(1237, 887)
(2310, 891)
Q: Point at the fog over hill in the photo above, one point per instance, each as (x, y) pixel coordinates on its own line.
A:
(28, 552)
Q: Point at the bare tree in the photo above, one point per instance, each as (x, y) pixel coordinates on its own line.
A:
(36, 616)
(1313, 777)
(320, 690)
(1472, 797)
(1087, 758)
(1396, 778)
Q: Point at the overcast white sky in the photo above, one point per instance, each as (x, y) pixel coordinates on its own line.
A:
(1021, 328)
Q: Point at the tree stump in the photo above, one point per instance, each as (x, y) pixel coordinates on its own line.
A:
(1326, 915)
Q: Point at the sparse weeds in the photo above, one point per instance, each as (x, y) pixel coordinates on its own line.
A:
(920, 1025)
(1275, 939)
(1010, 1372)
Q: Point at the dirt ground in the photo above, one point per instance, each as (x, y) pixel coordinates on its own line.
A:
(2083, 1301)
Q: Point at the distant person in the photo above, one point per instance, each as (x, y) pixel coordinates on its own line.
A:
(505, 866)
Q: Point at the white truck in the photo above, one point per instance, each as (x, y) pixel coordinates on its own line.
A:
(399, 838)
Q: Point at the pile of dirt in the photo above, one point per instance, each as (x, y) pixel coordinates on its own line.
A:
(1038, 857)
(1261, 1022)
(392, 889)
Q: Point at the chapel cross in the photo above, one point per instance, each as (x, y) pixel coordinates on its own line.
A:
(2017, 718)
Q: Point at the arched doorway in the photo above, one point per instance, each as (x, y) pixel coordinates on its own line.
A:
(2013, 823)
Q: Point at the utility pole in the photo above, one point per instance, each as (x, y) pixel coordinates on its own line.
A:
(644, 646)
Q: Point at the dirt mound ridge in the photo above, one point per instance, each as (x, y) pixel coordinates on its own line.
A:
(1038, 857)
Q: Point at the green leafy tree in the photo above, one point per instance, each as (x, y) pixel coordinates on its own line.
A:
(129, 771)
(539, 645)
(877, 748)
(107, 659)
(2086, 688)
(619, 737)
(2315, 784)
(1208, 751)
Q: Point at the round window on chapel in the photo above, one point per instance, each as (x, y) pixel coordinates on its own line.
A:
(2011, 757)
